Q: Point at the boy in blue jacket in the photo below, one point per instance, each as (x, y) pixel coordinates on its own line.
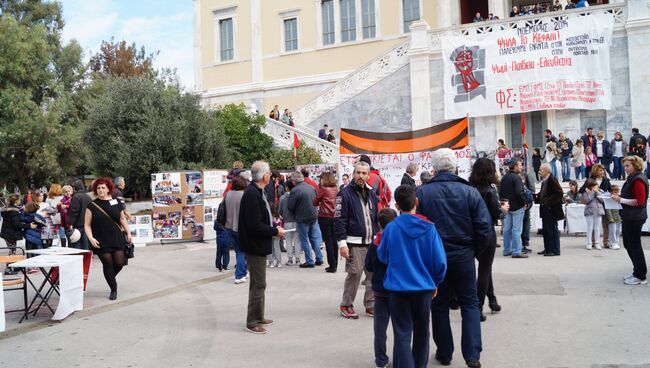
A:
(378, 269)
(413, 251)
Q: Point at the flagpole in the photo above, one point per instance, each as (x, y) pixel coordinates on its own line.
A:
(524, 145)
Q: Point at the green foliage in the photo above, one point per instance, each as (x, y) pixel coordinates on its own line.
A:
(38, 78)
(138, 126)
(283, 159)
(244, 133)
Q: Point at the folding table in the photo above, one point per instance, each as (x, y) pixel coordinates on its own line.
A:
(62, 251)
(69, 283)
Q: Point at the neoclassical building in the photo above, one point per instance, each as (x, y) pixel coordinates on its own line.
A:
(377, 65)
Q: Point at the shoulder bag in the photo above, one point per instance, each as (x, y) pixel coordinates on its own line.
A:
(129, 249)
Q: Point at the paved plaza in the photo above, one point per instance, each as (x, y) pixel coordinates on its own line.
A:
(175, 310)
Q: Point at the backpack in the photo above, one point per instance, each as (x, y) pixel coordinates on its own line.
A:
(528, 196)
(382, 191)
(221, 214)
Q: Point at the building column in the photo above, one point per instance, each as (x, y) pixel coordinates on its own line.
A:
(443, 14)
(638, 42)
(420, 76)
(498, 8)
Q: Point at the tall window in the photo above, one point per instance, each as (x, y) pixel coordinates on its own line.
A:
(290, 34)
(411, 9)
(348, 21)
(368, 14)
(327, 10)
(226, 43)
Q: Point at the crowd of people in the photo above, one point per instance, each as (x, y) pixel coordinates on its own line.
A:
(70, 216)
(448, 224)
(285, 117)
(547, 7)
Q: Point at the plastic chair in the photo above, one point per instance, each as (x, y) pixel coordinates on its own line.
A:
(14, 282)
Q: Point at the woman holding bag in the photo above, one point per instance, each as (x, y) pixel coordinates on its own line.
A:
(105, 226)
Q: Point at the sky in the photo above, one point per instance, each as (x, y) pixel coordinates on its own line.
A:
(158, 25)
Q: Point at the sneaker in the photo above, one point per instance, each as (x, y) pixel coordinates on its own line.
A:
(289, 263)
(267, 322)
(598, 247)
(278, 264)
(628, 277)
(259, 330)
(520, 256)
(614, 247)
(318, 263)
(348, 312)
(306, 265)
(634, 281)
(240, 281)
(588, 247)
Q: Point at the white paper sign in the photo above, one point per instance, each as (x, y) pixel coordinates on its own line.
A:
(557, 62)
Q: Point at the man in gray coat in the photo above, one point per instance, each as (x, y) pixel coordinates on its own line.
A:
(301, 204)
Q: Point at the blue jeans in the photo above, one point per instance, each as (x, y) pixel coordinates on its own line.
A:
(512, 226)
(240, 268)
(461, 279)
(382, 317)
(580, 170)
(553, 167)
(618, 173)
(566, 171)
(309, 232)
(223, 255)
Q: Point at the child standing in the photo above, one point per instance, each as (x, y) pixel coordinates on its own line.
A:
(614, 222)
(590, 159)
(593, 213)
(381, 308)
(275, 259)
(289, 219)
(413, 251)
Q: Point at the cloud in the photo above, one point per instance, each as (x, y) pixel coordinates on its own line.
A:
(89, 22)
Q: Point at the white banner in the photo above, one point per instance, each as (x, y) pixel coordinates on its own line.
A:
(393, 166)
(557, 62)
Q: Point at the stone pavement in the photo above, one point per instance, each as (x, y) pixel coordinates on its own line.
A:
(175, 310)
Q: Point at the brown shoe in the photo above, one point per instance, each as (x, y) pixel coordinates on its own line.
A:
(370, 312)
(259, 330)
(267, 322)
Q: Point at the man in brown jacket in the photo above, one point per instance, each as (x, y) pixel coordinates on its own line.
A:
(550, 210)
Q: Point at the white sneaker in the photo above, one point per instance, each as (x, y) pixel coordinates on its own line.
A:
(588, 247)
(278, 264)
(614, 247)
(634, 281)
(240, 281)
(628, 277)
(598, 247)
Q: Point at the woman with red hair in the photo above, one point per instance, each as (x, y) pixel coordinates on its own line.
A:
(105, 226)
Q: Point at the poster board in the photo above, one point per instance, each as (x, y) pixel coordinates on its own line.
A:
(215, 183)
(315, 170)
(177, 199)
(391, 153)
(141, 229)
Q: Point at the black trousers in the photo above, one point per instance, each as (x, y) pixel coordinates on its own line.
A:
(484, 284)
(550, 231)
(326, 225)
(632, 243)
(410, 319)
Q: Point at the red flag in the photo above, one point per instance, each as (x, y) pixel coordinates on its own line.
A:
(523, 124)
(296, 141)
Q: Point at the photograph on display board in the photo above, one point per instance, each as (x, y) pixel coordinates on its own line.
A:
(194, 182)
(143, 233)
(196, 231)
(207, 214)
(188, 218)
(166, 225)
(316, 170)
(214, 183)
(194, 199)
(166, 201)
(132, 220)
(164, 183)
(143, 220)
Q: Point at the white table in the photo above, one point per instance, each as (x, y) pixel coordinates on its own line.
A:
(70, 281)
(63, 251)
(536, 220)
(575, 218)
(2, 306)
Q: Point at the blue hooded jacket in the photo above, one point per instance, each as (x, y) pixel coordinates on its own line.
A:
(413, 251)
(33, 235)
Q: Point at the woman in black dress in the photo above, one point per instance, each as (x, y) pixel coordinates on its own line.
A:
(484, 178)
(106, 225)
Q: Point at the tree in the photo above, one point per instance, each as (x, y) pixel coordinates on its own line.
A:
(38, 79)
(138, 126)
(282, 159)
(244, 133)
(121, 60)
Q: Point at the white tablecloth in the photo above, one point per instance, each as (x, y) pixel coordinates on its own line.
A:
(2, 306)
(575, 217)
(70, 280)
(536, 220)
(57, 251)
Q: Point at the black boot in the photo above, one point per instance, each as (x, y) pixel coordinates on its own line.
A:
(483, 317)
(494, 306)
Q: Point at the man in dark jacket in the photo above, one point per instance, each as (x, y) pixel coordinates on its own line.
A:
(588, 140)
(256, 232)
(550, 137)
(301, 204)
(512, 189)
(465, 226)
(635, 136)
(550, 210)
(411, 171)
(355, 225)
(118, 193)
(77, 213)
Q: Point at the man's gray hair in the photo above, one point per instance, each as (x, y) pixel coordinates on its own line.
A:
(412, 168)
(119, 181)
(444, 160)
(361, 164)
(297, 177)
(425, 176)
(259, 169)
(547, 166)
